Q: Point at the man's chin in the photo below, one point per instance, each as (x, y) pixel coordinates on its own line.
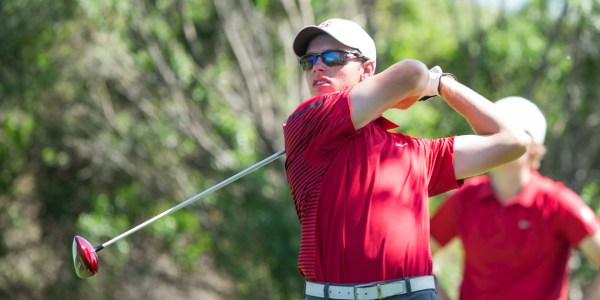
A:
(320, 90)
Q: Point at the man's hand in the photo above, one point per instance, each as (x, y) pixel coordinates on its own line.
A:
(432, 88)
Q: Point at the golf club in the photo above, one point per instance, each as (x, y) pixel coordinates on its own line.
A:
(85, 257)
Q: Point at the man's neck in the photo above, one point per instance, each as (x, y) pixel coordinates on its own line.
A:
(508, 184)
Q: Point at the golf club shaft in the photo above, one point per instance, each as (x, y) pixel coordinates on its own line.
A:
(194, 198)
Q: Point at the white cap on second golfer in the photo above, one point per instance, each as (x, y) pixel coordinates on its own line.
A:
(345, 31)
(524, 114)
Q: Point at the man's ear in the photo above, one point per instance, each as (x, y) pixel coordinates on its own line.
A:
(369, 69)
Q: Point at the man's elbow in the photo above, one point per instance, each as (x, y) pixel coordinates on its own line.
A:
(411, 73)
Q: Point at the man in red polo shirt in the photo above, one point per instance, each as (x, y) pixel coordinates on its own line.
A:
(360, 191)
(516, 226)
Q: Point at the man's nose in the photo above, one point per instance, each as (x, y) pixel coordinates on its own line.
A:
(319, 65)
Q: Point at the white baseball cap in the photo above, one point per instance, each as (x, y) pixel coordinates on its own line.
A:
(524, 114)
(345, 31)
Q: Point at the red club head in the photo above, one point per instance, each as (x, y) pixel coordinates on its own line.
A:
(85, 258)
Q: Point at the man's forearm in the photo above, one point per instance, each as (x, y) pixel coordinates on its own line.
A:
(476, 109)
(496, 142)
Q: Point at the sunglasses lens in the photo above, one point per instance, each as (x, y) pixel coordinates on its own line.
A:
(329, 58)
(308, 62)
(333, 58)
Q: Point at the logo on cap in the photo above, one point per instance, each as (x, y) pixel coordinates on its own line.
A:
(325, 24)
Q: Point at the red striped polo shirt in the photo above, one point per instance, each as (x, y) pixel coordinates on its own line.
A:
(361, 195)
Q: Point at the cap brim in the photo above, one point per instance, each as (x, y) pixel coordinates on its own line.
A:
(303, 38)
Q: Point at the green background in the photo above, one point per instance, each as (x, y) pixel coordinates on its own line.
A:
(114, 111)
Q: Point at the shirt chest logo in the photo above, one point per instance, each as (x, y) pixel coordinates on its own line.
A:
(524, 224)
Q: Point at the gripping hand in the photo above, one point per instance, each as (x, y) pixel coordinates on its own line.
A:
(432, 88)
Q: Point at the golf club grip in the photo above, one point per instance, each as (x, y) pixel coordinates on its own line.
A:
(196, 197)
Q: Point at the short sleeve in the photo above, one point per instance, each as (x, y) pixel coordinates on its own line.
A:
(440, 166)
(574, 220)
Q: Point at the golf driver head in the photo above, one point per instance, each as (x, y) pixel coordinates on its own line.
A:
(85, 258)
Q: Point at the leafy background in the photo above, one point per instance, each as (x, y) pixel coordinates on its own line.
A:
(114, 111)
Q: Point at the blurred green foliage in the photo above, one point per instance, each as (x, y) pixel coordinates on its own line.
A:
(112, 112)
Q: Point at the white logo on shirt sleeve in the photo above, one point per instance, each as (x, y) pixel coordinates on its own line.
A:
(587, 215)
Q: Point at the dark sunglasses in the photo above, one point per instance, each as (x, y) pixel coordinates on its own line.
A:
(329, 58)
